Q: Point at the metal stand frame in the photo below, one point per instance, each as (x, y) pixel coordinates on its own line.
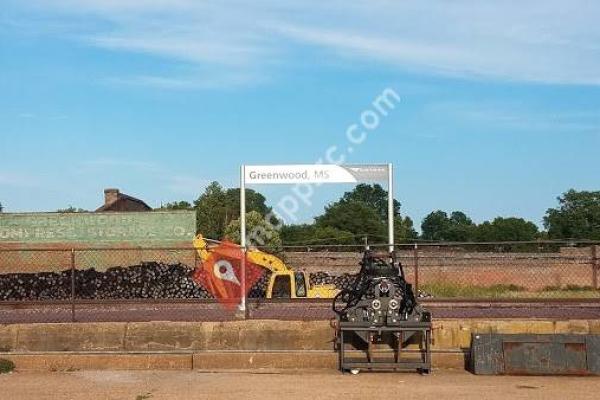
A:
(399, 362)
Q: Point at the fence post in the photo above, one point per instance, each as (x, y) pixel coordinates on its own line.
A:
(595, 266)
(416, 257)
(72, 285)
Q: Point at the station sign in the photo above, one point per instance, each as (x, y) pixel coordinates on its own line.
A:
(314, 173)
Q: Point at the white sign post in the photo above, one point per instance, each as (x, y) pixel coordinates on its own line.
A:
(310, 174)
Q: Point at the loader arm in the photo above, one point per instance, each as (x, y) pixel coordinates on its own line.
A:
(280, 273)
(260, 258)
(267, 261)
(201, 247)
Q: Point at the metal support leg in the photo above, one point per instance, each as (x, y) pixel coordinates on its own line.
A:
(370, 338)
(428, 347)
(341, 351)
(400, 340)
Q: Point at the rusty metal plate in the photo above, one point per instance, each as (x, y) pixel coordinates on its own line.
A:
(493, 354)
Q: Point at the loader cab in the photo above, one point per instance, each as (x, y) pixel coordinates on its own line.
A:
(288, 285)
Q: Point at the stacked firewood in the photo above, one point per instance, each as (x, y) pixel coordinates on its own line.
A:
(144, 281)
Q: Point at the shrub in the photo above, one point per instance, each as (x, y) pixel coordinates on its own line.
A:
(578, 288)
(6, 366)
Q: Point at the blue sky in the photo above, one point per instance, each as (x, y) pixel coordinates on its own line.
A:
(499, 110)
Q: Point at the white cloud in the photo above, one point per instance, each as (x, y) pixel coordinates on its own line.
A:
(214, 80)
(514, 116)
(26, 115)
(550, 41)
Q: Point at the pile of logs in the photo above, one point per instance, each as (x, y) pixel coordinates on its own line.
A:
(149, 280)
(38, 286)
(259, 289)
(343, 281)
(145, 281)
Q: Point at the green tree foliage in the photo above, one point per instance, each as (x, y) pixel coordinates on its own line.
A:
(313, 234)
(577, 216)
(71, 209)
(353, 216)
(254, 202)
(373, 196)
(217, 207)
(260, 233)
(461, 227)
(404, 229)
(506, 229)
(359, 213)
(1, 208)
(435, 225)
(210, 212)
(177, 205)
(458, 227)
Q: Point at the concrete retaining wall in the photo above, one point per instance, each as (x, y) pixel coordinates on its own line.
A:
(227, 345)
(266, 335)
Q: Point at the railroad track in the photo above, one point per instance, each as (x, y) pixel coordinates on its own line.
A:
(210, 310)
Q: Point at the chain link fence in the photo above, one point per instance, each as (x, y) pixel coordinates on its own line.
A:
(108, 284)
(482, 271)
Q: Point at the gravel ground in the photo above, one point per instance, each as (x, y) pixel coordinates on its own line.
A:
(154, 385)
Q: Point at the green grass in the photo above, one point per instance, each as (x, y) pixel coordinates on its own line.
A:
(504, 291)
(6, 366)
(570, 288)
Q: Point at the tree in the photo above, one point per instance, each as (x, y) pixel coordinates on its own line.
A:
(461, 228)
(1, 208)
(255, 201)
(360, 212)
(210, 212)
(355, 217)
(217, 207)
(297, 234)
(577, 217)
(373, 196)
(506, 229)
(260, 233)
(435, 225)
(306, 234)
(457, 227)
(177, 205)
(404, 229)
(71, 209)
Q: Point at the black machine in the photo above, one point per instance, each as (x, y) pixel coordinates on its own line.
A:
(380, 317)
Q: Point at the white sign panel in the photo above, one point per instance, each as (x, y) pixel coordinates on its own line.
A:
(314, 173)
